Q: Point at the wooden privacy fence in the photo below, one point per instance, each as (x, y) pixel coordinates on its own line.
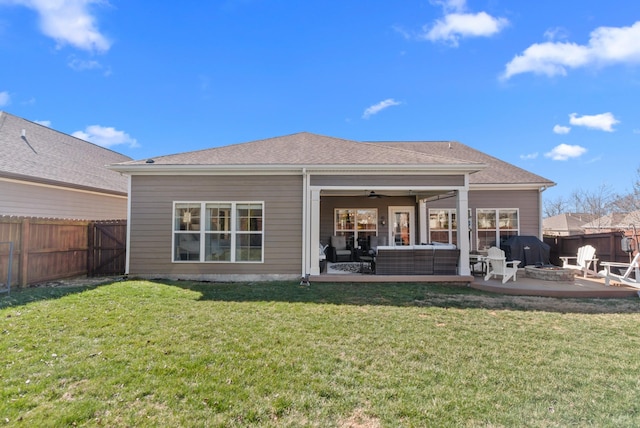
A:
(608, 246)
(50, 249)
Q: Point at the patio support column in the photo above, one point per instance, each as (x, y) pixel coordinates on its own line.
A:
(422, 219)
(462, 207)
(313, 229)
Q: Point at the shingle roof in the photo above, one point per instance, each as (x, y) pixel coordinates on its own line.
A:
(615, 221)
(497, 171)
(306, 149)
(48, 156)
(567, 223)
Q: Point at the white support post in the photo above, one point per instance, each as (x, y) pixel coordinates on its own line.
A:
(313, 239)
(462, 207)
(422, 218)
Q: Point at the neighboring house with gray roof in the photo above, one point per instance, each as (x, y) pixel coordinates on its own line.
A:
(46, 173)
(566, 224)
(614, 223)
(263, 209)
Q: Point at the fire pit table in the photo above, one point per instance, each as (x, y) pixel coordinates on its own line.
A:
(549, 273)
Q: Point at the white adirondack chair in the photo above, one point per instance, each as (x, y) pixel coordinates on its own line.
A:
(585, 261)
(630, 277)
(497, 265)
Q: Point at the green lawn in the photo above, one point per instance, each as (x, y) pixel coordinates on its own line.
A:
(142, 353)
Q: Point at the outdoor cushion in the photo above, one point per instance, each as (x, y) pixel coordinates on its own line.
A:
(339, 242)
(338, 250)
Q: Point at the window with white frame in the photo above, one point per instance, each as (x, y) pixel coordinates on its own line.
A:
(218, 232)
(443, 225)
(357, 224)
(495, 226)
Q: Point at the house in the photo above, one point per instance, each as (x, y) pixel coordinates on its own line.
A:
(262, 209)
(566, 224)
(614, 222)
(46, 173)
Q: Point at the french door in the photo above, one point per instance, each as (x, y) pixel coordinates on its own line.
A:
(401, 225)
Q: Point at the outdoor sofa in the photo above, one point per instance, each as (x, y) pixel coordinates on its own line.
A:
(428, 259)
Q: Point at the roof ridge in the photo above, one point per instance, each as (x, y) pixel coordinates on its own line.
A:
(48, 128)
(300, 140)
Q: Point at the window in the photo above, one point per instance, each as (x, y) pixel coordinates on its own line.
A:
(495, 226)
(357, 224)
(443, 225)
(218, 232)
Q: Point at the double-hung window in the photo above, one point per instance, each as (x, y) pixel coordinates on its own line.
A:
(357, 224)
(443, 226)
(495, 226)
(218, 232)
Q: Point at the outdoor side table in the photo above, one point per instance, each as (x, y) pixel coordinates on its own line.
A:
(474, 259)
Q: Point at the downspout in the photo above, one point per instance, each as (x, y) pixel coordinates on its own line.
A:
(305, 221)
(128, 244)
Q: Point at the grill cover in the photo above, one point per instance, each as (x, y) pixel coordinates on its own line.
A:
(528, 249)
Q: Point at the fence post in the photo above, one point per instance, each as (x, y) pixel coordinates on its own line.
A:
(24, 253)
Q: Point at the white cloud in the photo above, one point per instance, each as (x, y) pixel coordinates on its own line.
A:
(555, 33)
(564, 152)
(377, 108)
(451, 5)
(5, 98)
(46, 123)
(529, 156)
(457, 23)
(559, 129)
(105, 136)
(68, 22)
(400, 30)
(603, 122)
(82, 65)
(607, 46)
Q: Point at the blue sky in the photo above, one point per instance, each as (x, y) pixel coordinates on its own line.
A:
(550, 86)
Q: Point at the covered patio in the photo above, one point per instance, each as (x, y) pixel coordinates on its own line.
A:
(387, 206)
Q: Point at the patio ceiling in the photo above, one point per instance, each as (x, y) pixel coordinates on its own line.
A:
(383, 193)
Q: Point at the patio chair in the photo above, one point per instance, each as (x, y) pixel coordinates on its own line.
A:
(630, 276)
(585, 261)
(338, 250)
(497, 265)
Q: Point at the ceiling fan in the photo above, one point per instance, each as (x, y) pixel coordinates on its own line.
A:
(373, 194)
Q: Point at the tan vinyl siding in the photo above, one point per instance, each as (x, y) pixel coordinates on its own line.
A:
(152, 213)
(36, 200)
(526, 201)
(388, 180)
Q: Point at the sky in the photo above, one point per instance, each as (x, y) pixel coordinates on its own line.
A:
(549, 86)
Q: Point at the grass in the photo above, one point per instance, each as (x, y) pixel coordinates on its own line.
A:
(143, 353)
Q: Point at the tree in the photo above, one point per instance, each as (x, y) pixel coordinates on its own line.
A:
(630, 202)
(555, 206)
(598, 202)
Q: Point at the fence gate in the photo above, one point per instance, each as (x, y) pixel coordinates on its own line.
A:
(107, 248)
